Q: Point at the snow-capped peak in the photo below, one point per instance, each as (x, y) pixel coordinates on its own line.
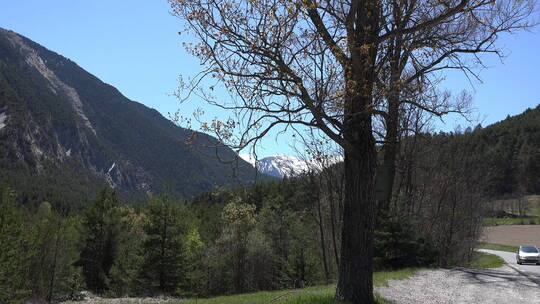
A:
(280, 165)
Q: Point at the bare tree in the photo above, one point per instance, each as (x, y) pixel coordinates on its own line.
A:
(316, 64)
(449, 194)
(410, 62)
(324, 159)
(324, 170)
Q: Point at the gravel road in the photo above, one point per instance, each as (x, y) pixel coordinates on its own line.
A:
(511, 283)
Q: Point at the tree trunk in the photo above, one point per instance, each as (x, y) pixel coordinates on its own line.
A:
(333, 225)
(50, 294)
(356, 263)
(164, 239)
(321, 232)
(334, 188)
(355, 269)
(387, 171)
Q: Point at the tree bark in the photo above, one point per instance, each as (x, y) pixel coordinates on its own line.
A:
(333, 221)
(356, 269)
(356, 263)
(387, 170)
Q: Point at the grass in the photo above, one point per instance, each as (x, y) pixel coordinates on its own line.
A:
(490, 221)
(500, 247)
(486, 260)
(310, 295)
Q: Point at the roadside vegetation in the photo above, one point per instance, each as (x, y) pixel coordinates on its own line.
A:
(486, 260)
(499, 247)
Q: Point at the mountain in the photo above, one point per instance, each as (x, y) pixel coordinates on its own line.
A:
(64, 134)
(278, 165)
(287, 166)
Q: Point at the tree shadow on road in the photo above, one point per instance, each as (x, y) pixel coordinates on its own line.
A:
(499, 276)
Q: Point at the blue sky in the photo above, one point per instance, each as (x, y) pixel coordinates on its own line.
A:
(135, 46)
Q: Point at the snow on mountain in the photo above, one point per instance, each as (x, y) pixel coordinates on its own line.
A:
(248, 158)
(285, 165)
(282, 165)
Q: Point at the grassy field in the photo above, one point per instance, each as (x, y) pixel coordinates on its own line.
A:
(486, 260)
(309, 295)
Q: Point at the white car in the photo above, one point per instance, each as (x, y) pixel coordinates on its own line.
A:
(528, 254)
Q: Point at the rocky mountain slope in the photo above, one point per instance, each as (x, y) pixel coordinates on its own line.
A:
(64, 134)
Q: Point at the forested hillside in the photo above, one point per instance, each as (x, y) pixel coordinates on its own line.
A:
(512, 148)
(64, 134)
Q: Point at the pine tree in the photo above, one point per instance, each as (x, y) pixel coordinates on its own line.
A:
(101, 232)
(124, 273)
(164, 264)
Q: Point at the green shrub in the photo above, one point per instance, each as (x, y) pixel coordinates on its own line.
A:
(396, 246)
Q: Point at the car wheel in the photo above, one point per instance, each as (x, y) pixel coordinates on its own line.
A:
(519, 262)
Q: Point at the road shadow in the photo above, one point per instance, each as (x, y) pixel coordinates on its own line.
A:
(499, 275)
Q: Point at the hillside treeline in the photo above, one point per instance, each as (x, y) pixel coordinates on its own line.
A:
(278, 235)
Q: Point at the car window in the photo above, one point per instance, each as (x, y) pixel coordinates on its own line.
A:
(529, 249)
